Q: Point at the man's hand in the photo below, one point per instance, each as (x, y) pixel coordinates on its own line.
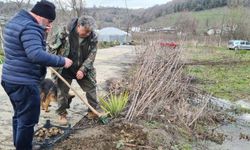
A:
(80, 74)
(48, 28)
(68, 62)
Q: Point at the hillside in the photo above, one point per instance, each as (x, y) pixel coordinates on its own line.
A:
(203, 19)
(169, 14)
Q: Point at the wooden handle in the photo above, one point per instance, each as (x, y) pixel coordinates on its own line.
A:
(84, 100)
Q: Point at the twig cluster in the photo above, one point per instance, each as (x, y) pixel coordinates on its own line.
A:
(157, 86)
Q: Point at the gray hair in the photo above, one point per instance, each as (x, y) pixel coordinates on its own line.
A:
(87, 21)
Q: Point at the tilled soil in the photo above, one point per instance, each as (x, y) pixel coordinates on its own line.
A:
(92, 135)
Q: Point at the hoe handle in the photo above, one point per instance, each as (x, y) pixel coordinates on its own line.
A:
(84, 100)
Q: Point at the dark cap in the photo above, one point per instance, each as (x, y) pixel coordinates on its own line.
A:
(45, 9)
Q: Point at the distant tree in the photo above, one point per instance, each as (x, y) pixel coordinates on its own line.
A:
(237, 23)
(22, 3)
(197, 5)
(235, 3)
(108, 19)
(76, 6)
(1, 4)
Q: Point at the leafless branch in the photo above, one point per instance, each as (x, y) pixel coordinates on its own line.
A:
(157, 86)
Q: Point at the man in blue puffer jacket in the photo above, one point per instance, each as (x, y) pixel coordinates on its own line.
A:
(25, 66)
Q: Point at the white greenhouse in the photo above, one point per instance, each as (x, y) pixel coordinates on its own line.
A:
(111, 34)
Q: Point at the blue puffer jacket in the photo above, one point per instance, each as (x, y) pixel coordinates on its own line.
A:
(25, 53)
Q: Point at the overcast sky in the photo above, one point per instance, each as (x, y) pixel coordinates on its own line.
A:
(121, 3)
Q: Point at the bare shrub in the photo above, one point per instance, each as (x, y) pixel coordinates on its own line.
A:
(158, 87)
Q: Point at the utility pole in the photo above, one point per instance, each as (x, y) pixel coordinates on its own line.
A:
(128, 21)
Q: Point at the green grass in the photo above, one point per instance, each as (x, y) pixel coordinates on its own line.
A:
(184, 146)
(212, 53)
(239, 110)
(104, 44)
(224, 81)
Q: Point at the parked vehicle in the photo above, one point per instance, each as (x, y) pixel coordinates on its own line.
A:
(169, 44)
(238, 44)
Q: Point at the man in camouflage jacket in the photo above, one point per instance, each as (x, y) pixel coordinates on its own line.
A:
(77, 41)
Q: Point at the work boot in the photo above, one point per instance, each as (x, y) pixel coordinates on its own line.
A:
(91, 115)
(63, 120)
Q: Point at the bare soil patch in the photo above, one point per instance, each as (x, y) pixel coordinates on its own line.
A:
(115, 135)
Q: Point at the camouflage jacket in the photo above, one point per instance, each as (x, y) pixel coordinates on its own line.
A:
(66, 43)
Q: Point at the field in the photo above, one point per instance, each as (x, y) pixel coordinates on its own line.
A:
(223, 73)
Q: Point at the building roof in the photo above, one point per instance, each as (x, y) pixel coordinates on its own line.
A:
(111, 31)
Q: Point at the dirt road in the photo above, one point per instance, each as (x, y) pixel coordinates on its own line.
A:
(109, 64)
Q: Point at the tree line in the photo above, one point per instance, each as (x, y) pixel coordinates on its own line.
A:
(198, 5)
(120, 17)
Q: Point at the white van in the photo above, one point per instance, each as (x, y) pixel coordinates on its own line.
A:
(238, 44)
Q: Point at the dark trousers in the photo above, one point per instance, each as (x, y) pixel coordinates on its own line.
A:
(63, 90)
(25, 100)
